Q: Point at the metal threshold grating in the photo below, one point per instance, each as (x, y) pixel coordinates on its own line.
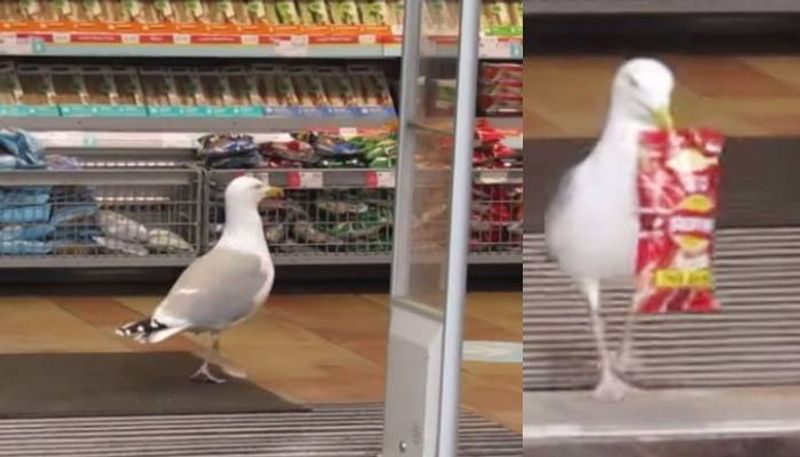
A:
(327, 431)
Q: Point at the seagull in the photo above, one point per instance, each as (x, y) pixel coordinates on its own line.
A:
(592, 223)
(222, 288)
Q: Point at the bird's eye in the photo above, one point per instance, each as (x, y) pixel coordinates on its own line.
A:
(633, 82)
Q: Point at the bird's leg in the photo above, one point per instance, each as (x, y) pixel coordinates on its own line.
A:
(203, 374)
(226, 367)
(624, 359)
(610, 387)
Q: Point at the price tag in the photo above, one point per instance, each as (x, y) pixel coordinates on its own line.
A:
(295, 46)
(181, 38)
(493, 177)
(89, 140)
(348, 132)
(58, 139)
(249, 40)
(380, 179)
(489, 46)
(263, 177)
(10, 44)
(516, 51)
(367, 39)
(311, 179)
(178, 141)
(130, 38)
(61, 38)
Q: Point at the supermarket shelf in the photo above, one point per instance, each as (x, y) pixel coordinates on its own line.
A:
(182, 261)
(662, 6)
(142, 139)
(490, 47)
(197, 124)
(65, 261)
(334, 259)
(366, 178)
(346, 46)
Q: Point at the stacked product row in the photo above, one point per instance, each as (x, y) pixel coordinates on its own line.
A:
(118, 13)
(257, 90)
(440, 16)
(499, 93)
(307, 150)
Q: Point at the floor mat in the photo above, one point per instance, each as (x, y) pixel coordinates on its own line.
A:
(121, 384)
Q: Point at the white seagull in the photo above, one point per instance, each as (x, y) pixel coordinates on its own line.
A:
(222, 288)
(592, 224)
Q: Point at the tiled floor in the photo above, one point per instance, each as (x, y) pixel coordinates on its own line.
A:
(742, 96)
(314, 348)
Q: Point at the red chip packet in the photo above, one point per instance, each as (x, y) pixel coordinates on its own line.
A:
(678, 185)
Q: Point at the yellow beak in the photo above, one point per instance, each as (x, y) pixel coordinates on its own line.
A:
(273, 192)
(663, 118)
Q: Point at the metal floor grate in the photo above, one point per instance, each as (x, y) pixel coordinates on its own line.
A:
(753, 341)
(328, 431)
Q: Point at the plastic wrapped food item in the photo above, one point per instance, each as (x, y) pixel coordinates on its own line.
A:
(308, 87)
(122, 228)
(678, 181)
(313, 12)
(229, 151)
(495, 13)
(371, 90)
(25, 150)
(342, 207)
(286, 11)
(276, 89)
(307, 233)
(292, 153)
(494, 71)
(163, 240)
(344, 12)
(374, 12)
(275, 234)
(125, 247)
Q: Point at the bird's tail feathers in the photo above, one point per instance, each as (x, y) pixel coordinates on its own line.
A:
(148, 330)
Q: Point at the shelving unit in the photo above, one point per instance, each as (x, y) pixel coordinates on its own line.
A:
(152, 144)
(354, 45)
(662, 6)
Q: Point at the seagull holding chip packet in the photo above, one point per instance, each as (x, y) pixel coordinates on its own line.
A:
(678, 185)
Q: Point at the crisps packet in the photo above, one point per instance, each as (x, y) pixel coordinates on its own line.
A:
(678, 184)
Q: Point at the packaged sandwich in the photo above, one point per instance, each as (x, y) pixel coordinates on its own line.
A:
(244, 91)
(678, 185)
(374, 12)
(338, 90)
(159, 90)
(344, 12)
(188, 91)
(286, 11)
(11, 95)
(38, 93)
(313, 12)
(276, 89)
(371, 90)
(129, 99)
(310, 92)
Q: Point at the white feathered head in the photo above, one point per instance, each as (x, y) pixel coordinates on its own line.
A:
(642, 90)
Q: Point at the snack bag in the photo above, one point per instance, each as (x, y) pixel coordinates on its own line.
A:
(678, 183)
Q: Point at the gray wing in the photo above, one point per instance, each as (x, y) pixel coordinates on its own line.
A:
(216, 290)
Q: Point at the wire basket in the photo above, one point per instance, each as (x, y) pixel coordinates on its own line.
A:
(103, 217)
